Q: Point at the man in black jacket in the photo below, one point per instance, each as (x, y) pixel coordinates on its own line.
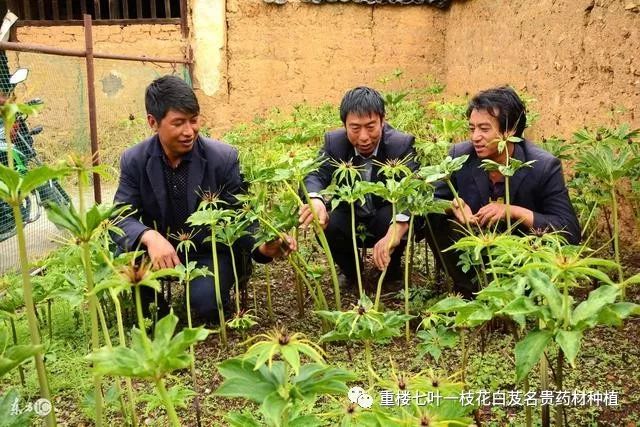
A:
(365, 138)
(539, 199)
(163, 179)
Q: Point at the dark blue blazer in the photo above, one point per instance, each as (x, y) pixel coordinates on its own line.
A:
(540, 188)
(214, 167)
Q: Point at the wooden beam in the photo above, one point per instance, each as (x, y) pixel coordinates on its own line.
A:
(114, 13)
(56, 9)
(139, 9)
(154, 12)
(27, 10)
(167, 8)
(96, 10)
(83, 7)
(68, 22)
(125, 9)
(41, 14)
(184, 18)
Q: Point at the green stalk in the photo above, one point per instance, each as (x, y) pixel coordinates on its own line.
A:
(30, 310)
(26, 286)
(616, 240)
(544, 381)
(407, 267)
(527, 409)
(235, 277)
(559, 379)
(267, 278)
(187, 280)
(15, 342)
(171, 412)
(355, 248)
(465, 351)
(367, 356)
(216, 281)
(460, 204)
(299, 290)
(159, 383)
(123, 343)
(49, 320)
(384, 272)
(93, 313)
(507, 197)
(107, 340)
(323, 242)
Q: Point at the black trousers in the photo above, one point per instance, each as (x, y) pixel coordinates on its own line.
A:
(202, 289)
(340, 241)
(441, 232)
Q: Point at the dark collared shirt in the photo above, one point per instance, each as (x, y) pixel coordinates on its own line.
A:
(176, 181)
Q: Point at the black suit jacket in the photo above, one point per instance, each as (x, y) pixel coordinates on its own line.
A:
(393, 145)
(214, 167)
(540, 188)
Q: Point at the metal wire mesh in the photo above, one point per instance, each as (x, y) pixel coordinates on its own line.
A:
(61, 84)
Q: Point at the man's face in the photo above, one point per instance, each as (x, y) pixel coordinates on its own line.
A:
(364, 132)
(177, 132)
(484, 131)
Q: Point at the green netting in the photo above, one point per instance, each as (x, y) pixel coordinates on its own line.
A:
(61, 84)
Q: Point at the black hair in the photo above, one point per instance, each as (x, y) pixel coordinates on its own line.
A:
(505, 105)
(170, 93)
(361, 101)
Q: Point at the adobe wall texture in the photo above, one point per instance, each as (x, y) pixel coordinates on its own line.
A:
(580, 59)
(577, 58)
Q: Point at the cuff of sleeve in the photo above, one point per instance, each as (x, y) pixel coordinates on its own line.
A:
(259, 257)
(402, 217)
(314, 195)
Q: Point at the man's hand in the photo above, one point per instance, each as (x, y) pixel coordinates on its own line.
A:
(162, 253)
(306, 215)
(462, 213)
(384, 247)
(489, 214)
(277, 248)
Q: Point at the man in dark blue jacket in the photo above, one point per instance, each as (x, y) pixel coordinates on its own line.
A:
(538, 196)
(163, 179)
(366, 140)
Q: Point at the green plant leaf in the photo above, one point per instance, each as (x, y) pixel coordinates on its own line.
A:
(242, 381)
(586, 312)
(529, 350)
(569, 342)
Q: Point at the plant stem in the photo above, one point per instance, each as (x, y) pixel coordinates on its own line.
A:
(460, 204)
(30, 307)
(367, 356)
(544, 385)
(527, 410)
(384, 272)
(187, 284)
(107, 340)
(123, 343)
(299, 290)
(323, 242)
(93, 313)
(235, 277)
(171, 412)
(616, 239)
(49, 320)
(216, 282)
(355, 249)
(15, 342)
(559, 380)
(267, 278)
(407, 266)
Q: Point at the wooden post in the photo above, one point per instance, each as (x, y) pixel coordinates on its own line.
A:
(184, 18)
(91, 92)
